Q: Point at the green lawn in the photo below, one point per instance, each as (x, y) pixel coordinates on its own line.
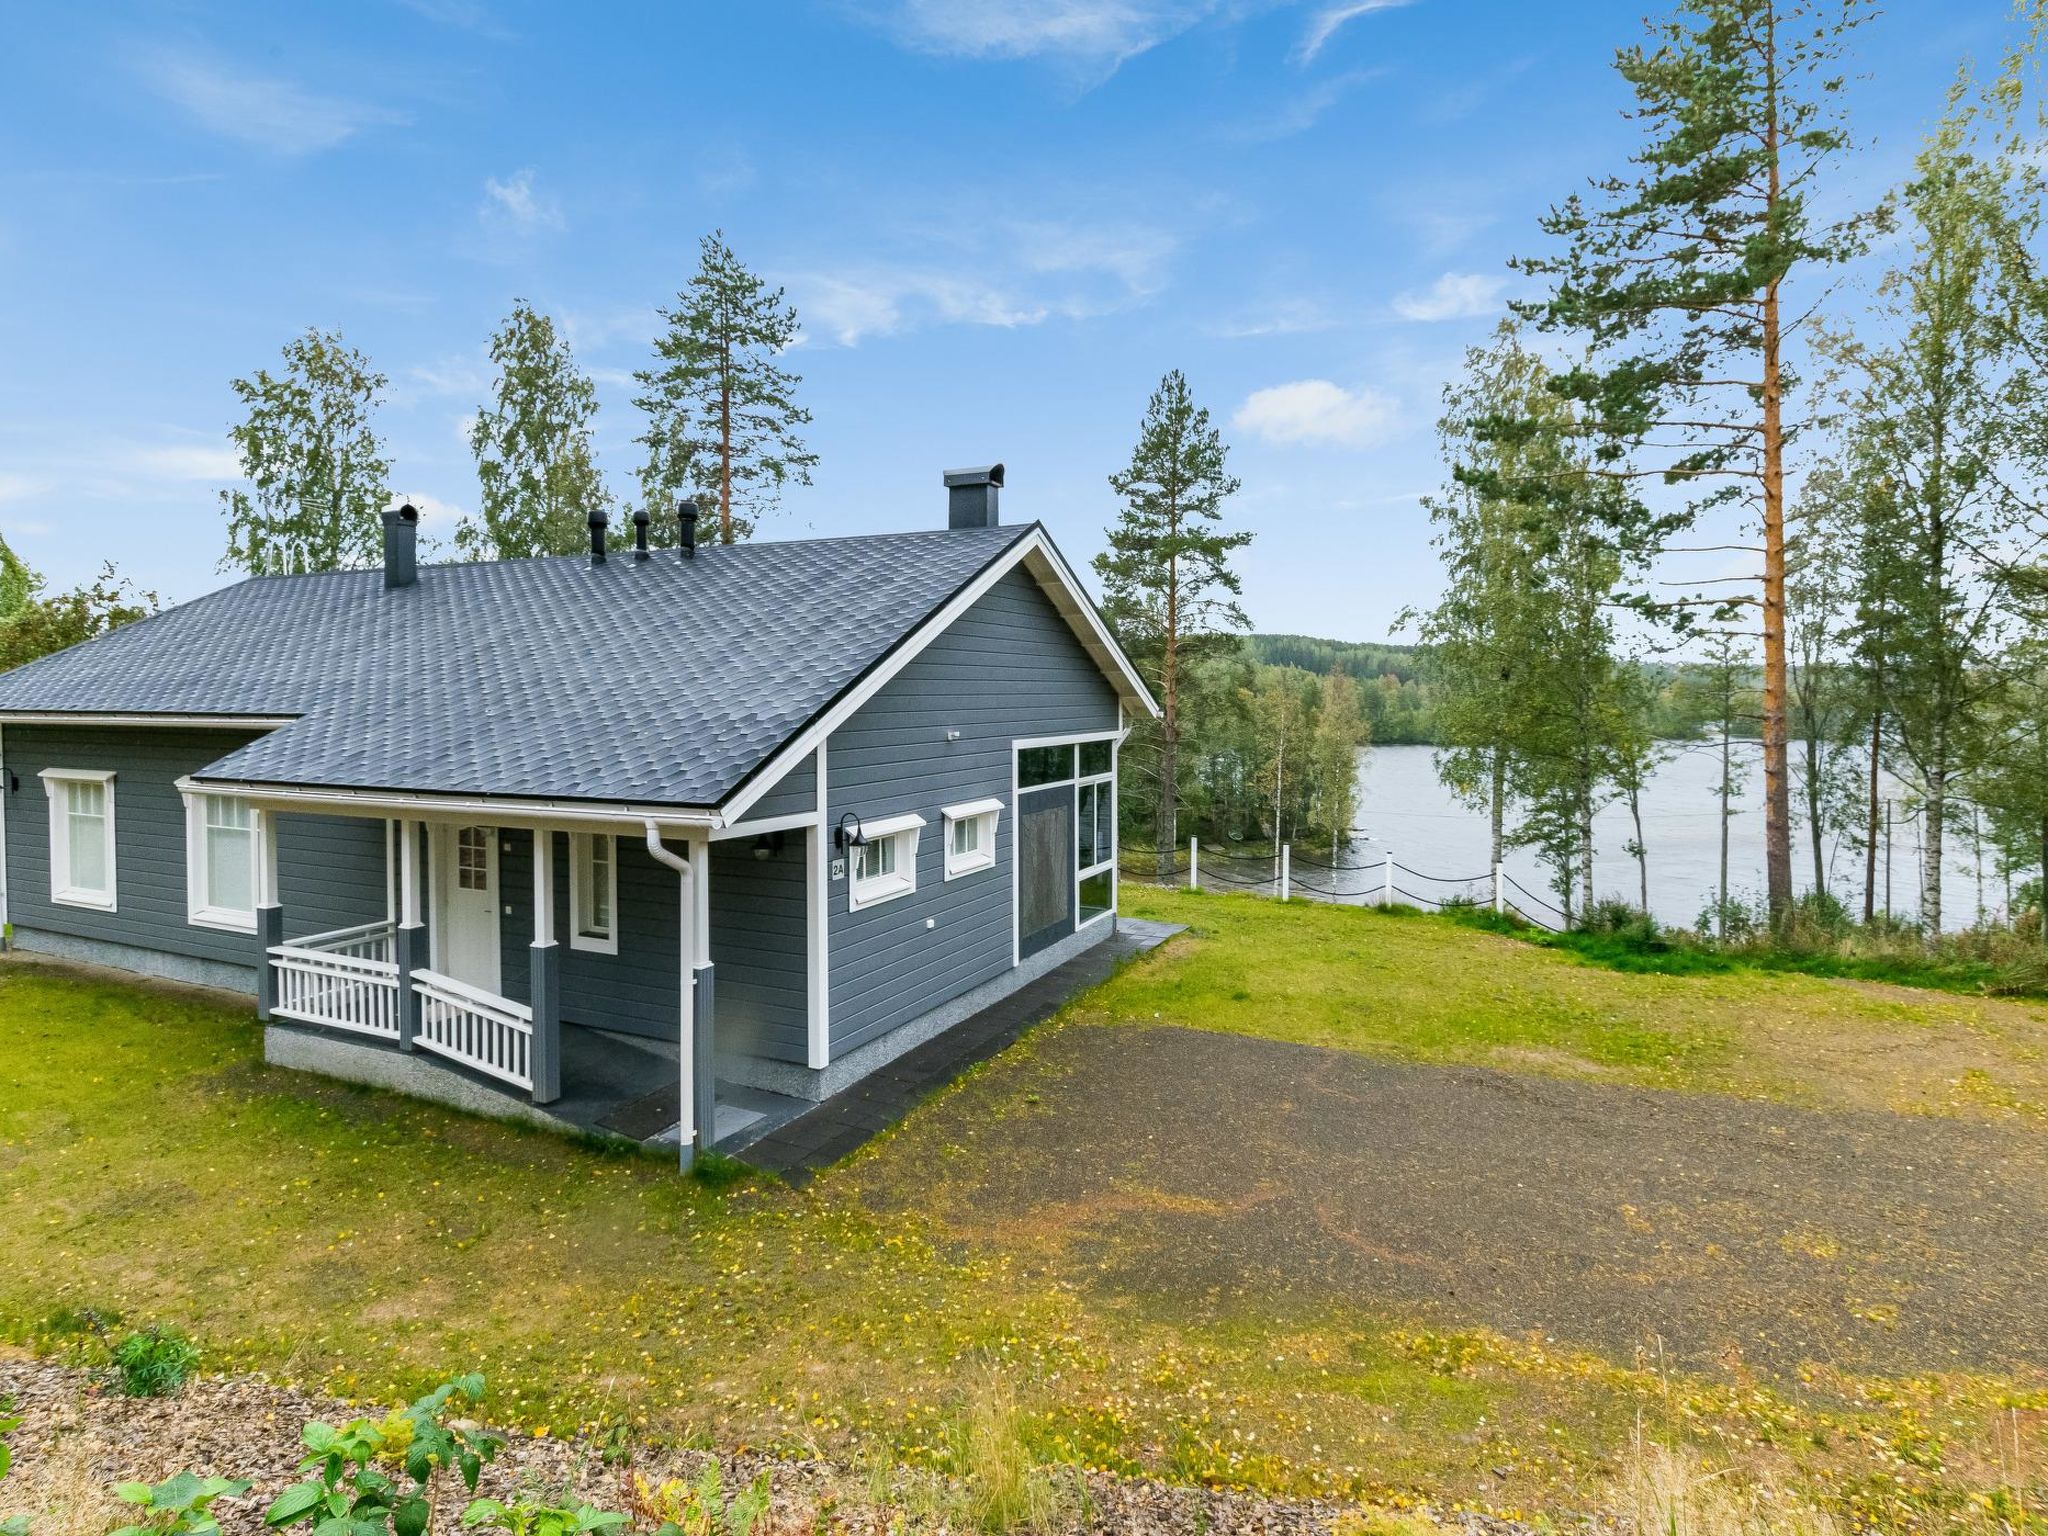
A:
(152, 1166)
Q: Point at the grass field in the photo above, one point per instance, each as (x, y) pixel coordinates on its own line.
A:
(152, 1166)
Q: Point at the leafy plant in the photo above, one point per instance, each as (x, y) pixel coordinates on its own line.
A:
(13, 1525)
(701, 1508)
(527, 1515)
(180, 1505)
(351, 1494)
(154, 1362)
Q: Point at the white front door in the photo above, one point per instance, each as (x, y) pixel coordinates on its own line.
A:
(469, 938)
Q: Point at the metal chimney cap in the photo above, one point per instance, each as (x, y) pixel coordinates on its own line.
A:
(987, 474)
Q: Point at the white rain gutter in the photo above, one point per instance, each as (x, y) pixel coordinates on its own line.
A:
(427, 806)
(662, 853)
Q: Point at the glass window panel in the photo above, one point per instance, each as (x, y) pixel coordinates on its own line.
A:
(878, 858)
(967, 834)
(1094, 757)
(230, 869)
(600, 885)
(88, 850)
(1084, 839)
(1044, 765)
(85, 799)
(1095, 895)
(473, 858)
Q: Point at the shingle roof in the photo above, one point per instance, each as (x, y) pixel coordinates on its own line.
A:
(662, 681)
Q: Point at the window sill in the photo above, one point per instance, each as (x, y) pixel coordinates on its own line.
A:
(969, 864)
(224, 920)
(876, 892)
(97, 901)
(591, 944)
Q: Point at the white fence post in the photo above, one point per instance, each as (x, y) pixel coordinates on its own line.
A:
(1194, 863)
(1499, 892)
(1387, 890)
(1286, 869)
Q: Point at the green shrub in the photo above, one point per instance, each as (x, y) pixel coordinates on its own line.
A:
(154, 1362)
(180, 1505)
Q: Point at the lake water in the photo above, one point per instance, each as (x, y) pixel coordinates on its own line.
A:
(1404, 808)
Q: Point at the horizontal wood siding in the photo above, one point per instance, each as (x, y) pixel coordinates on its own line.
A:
(330, 869)
(796, 790)
(1007, 668)
(638, 991)
(757, 942)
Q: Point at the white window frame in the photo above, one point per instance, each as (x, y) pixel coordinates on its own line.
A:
(581, 845)
(984, 815)
(1105, 784)
(62, 891)
(903, 831)
(200, 909)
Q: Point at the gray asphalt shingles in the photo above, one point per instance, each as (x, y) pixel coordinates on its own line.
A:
(662, 681)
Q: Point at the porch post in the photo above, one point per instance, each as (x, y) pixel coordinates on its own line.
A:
(269, 913)
(409, 948)
(546, 974)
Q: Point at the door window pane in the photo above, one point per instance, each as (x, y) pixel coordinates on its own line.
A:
(1044, 765)
(473, 858)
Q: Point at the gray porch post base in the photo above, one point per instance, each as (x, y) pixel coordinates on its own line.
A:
(704, 1060)
(269, 932)
(409, 949)
(547, 1022)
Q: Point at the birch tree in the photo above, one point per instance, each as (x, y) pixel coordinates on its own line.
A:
(317, 478)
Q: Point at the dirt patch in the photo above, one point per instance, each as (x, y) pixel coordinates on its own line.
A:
(1212, 1174)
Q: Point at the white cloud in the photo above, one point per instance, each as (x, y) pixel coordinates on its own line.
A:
(1315, 412)
(1101, 32)
(1454, 296)
(19, 487)
(1031, 272)
(1330, 18)
(268, 113)
(1304, 110)
(1288, 317)
(514, 204)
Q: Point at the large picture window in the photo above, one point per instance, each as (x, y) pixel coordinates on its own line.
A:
(220, 862)
(81, 837)
(594, 892)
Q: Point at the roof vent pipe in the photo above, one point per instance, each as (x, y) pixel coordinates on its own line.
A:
(401, 545)
(686, 518)
(599, 521)
(971, 496)
(639, 533)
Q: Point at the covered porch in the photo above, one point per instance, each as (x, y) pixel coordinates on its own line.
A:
(457, 993)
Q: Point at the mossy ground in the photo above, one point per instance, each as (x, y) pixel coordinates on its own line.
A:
(151, 1165)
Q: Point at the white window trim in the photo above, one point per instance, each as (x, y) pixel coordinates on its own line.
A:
(578, 939)
(903, 830)
(986, 812)
(199, 911)
(61, 890)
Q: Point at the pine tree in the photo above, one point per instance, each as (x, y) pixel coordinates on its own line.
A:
(532, 444)
(1168, 587)
(1678, 276)
(722, 417)
(318, 478)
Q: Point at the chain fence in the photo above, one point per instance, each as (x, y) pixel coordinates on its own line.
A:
(1287, 874)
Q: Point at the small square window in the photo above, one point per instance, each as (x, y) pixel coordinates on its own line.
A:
(971, 836)
(885, 865)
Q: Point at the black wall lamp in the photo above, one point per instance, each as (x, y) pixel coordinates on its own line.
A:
(848, 833)
(767, 845)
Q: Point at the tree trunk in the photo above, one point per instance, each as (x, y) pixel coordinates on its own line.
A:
(1635, 811)
(1585, 809)
(1721, 905)
(1165, 830)
(1168, 833)
(1777, 796)
(2041, 897)
(1870, 841)
(1498, 809)
(725, 450)
(1935, 816)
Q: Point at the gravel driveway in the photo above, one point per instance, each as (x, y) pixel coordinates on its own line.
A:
(1214, 1173)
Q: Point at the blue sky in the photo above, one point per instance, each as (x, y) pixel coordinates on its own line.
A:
(1000, 222)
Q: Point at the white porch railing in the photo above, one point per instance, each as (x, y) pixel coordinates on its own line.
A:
(343, 979)
(491, 1034)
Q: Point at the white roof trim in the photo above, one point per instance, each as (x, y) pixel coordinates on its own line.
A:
(972, 808)
(1053, 576)
(80, 717)
(889, 826)
(381, 802)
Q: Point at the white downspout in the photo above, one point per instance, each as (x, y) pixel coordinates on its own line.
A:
(687, 922)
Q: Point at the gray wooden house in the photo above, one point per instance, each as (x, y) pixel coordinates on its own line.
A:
(718, 827)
